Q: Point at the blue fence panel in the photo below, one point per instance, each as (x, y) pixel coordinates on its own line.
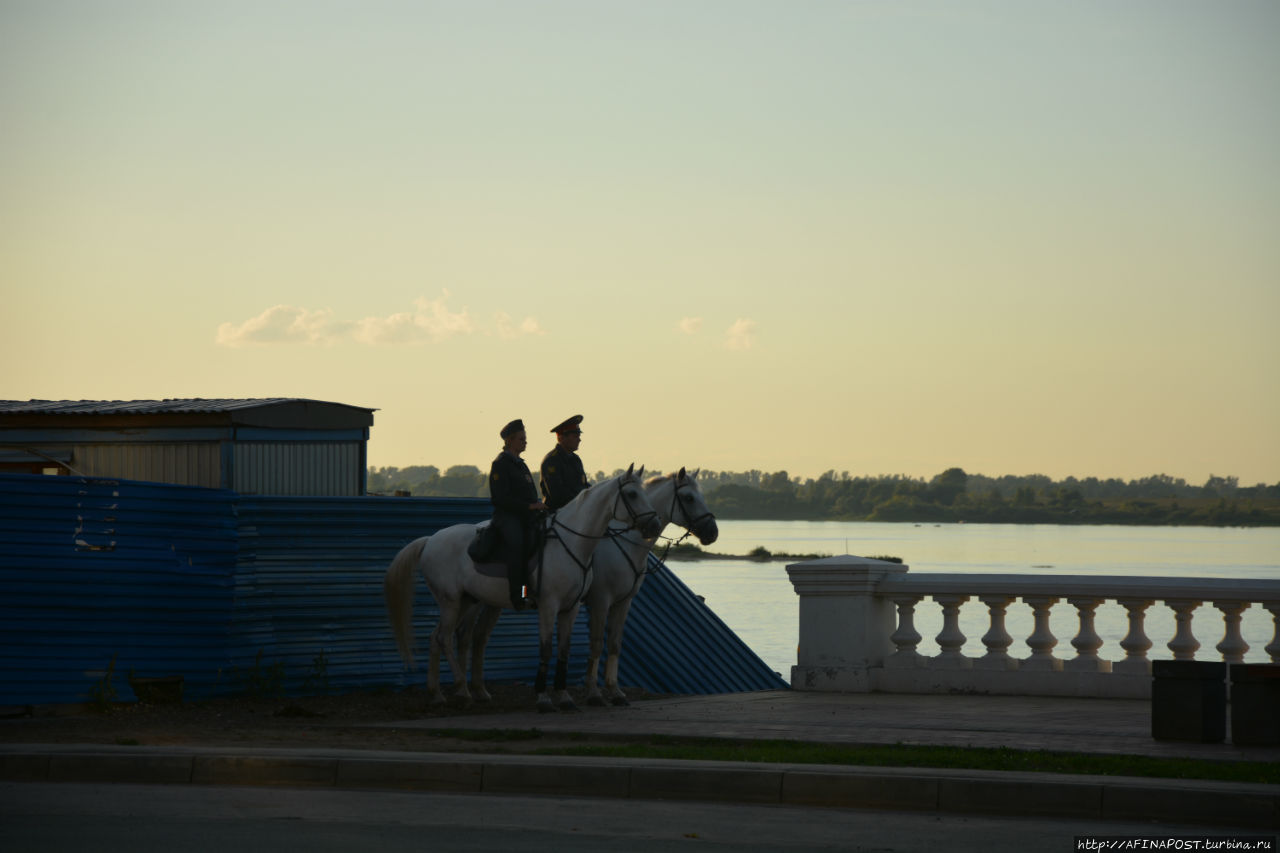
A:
(675, 643)
(96, 570)
(242, 593)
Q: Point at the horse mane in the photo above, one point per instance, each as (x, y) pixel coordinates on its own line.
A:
(581, 496)
(659, 478)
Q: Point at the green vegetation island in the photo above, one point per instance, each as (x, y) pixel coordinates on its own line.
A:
(952, 496)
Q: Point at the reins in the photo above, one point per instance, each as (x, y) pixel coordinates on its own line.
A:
(555, 524)
(636, 571)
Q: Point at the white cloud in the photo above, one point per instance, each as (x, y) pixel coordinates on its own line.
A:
(690, 325)
(284, 324)
(741, 335)
(508, 329)
(431, 320)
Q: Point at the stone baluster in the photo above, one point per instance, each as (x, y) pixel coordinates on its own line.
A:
(1136, 642)
(951, 638)
(1184, 642)
(1233, 645)
(1273, 647)
(906, 637)
(997, 639)
(1086, 641)
(1041, 640)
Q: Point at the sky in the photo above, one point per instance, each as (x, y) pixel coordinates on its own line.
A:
(876, 237)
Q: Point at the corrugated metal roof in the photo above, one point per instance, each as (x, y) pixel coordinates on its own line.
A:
(233, 591)
(187, 406)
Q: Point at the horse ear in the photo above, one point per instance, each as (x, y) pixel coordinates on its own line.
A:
(695, 474)
(640, 473)
(681, 475)
(631, 469)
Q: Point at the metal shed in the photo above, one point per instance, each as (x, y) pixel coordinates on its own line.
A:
(273, 446)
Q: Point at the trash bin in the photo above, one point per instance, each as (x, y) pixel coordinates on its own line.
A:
(1189, 700)
(1255, 704)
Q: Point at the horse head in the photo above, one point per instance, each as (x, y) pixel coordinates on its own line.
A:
(633, 507)
(689, 509)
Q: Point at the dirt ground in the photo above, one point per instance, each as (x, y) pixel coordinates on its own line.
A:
(317, 721)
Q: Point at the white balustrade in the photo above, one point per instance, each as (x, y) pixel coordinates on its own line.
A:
(1136, 642)
(997, 639)
(858, 629)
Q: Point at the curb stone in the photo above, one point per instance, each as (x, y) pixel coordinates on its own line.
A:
(909, 789)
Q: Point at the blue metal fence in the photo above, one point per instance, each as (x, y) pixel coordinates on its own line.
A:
(96, 570)
(240, 593)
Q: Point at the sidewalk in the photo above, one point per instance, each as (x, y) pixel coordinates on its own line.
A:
(1108, 726)
(1025, 723)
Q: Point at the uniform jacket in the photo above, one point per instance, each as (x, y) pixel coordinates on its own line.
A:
(562, 477)
(511, 487)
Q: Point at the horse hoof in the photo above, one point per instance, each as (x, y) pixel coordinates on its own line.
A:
(484, 697)
(546, 706)
(568, 705)
(596, 701)
(621, 702)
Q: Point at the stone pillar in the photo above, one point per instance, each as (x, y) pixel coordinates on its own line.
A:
(1233, 646)
(1086, 641)
(1273, 647)
(1136, 642)
(1184, 642)
(997, 639)
(951, 639)
(1042, 639)
(844, 626)
(906, 638)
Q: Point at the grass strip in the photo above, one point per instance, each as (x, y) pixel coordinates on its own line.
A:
(945, 757)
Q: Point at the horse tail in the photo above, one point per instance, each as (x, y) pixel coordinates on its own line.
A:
(397, 588)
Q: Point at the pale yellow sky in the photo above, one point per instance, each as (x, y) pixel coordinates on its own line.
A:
(866, 236)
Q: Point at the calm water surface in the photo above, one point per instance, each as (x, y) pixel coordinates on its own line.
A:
(757, 601)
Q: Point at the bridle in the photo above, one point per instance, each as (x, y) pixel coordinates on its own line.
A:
(691, 525)
(637, 519)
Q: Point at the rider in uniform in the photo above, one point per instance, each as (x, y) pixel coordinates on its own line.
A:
(562, 473)
(515, 506)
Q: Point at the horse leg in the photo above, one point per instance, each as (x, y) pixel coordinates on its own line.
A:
(464, 634)
(545, 627)
(617, 621)
(434, 696)
(596, 616)
(445, 637)
(564, 632)
(481, 629)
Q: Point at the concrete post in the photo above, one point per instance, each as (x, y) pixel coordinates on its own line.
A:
(844, 626)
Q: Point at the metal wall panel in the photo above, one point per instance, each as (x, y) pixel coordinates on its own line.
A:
(186, 464)
(326, 468)
(241, 592)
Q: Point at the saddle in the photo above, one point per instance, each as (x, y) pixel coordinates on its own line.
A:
(488, 550)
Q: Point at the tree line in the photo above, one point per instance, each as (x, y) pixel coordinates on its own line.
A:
(950, 496)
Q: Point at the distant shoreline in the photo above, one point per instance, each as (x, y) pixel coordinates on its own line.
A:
(758, 554)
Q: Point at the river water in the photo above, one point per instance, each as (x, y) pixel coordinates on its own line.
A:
(757, 601)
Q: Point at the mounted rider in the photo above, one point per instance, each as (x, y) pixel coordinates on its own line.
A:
(515, 507)
(563, 476)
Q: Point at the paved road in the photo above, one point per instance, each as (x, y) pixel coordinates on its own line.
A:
(139, 818)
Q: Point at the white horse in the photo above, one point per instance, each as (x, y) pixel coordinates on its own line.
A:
(618, 568)
(561, 579)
